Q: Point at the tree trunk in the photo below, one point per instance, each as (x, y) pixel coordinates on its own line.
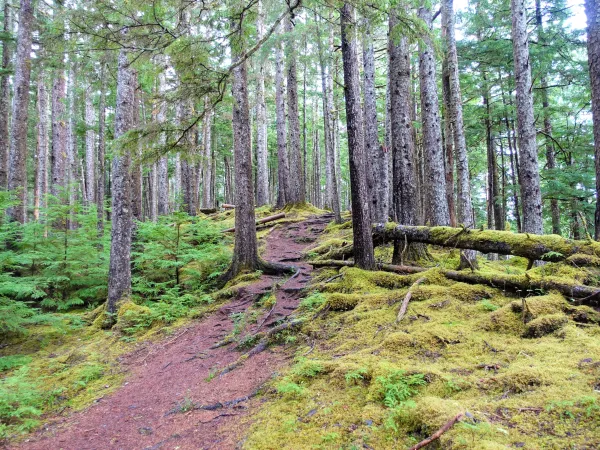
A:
(550, 159)
(101, 175)
(162, 187)
(377, 177)
(119, 272)
(361, 215)
(17, 177)
(283, 170)
(531, 196)
(136, 167)
(245, 252)
(448, 134)
(5, 97)
(593, 45)
(296, 195)
(41, 170)
(207, 188)
(403, 147)
(435, 178)
(262, 155)
(59, 157)
(90, 148)
(332, 198)
(455, 116)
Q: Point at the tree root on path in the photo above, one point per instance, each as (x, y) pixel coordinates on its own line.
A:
(262, 345)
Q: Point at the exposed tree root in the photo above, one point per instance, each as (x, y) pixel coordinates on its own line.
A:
(262, 344)
(583, 295)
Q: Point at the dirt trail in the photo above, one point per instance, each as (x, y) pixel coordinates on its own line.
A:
(174, 371)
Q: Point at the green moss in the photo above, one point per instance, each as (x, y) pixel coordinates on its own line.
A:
(545, 325)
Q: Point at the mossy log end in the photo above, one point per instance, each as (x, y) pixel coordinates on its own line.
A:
(523, 284)
(549, 247)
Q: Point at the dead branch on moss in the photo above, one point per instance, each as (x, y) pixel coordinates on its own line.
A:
(385, 267)
(531, 246)
(438, 433)
(407, 298)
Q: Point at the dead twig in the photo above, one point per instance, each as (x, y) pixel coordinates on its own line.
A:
(438, 433)
(407, 298)
(264, 320)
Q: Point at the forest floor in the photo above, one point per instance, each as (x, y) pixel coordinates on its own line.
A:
(169, 383)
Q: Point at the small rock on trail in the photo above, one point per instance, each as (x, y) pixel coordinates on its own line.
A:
(173, 374)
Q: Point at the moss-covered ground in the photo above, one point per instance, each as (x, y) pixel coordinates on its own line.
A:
(524, 367)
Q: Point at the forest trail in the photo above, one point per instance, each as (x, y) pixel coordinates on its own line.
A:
(168, 376)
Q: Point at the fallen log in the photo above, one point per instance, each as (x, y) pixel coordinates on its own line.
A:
(259, 222)
(582, 294)
(550, 247)
(208, 210)
(227, 206)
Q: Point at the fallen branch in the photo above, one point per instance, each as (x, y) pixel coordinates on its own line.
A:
(228, 206)
(407, 298)
(582, 294)
(260, 221)
(438, 433)
(531, 246)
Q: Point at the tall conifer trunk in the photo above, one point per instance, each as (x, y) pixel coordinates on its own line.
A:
(531, 196)
(5, 97)
(361, 214)
(17, 176)
(119, 272)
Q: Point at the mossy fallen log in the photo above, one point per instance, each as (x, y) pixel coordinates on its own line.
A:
(523, 284)
(549, 247)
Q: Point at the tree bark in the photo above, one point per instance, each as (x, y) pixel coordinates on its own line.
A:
(101, 175)
(332, 198)
(162, 173)
(433, 153)
(455, 116)
(531, 196)
(283, 170)
(41, 172)
(136, 167)
(17, 177)
(119, 272)
(403, 146)
(5, 97)
(262, 168)
(296, 194)
(245, 252)
(550, 158)
(90, 148)
(361, 214)
(59, 156)
(377, 176)
(207, 188)
(592, 11)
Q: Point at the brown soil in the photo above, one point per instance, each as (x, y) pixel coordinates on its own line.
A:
(171, 374)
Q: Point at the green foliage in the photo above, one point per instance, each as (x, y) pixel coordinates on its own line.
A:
(20, 402)
(397, 387)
